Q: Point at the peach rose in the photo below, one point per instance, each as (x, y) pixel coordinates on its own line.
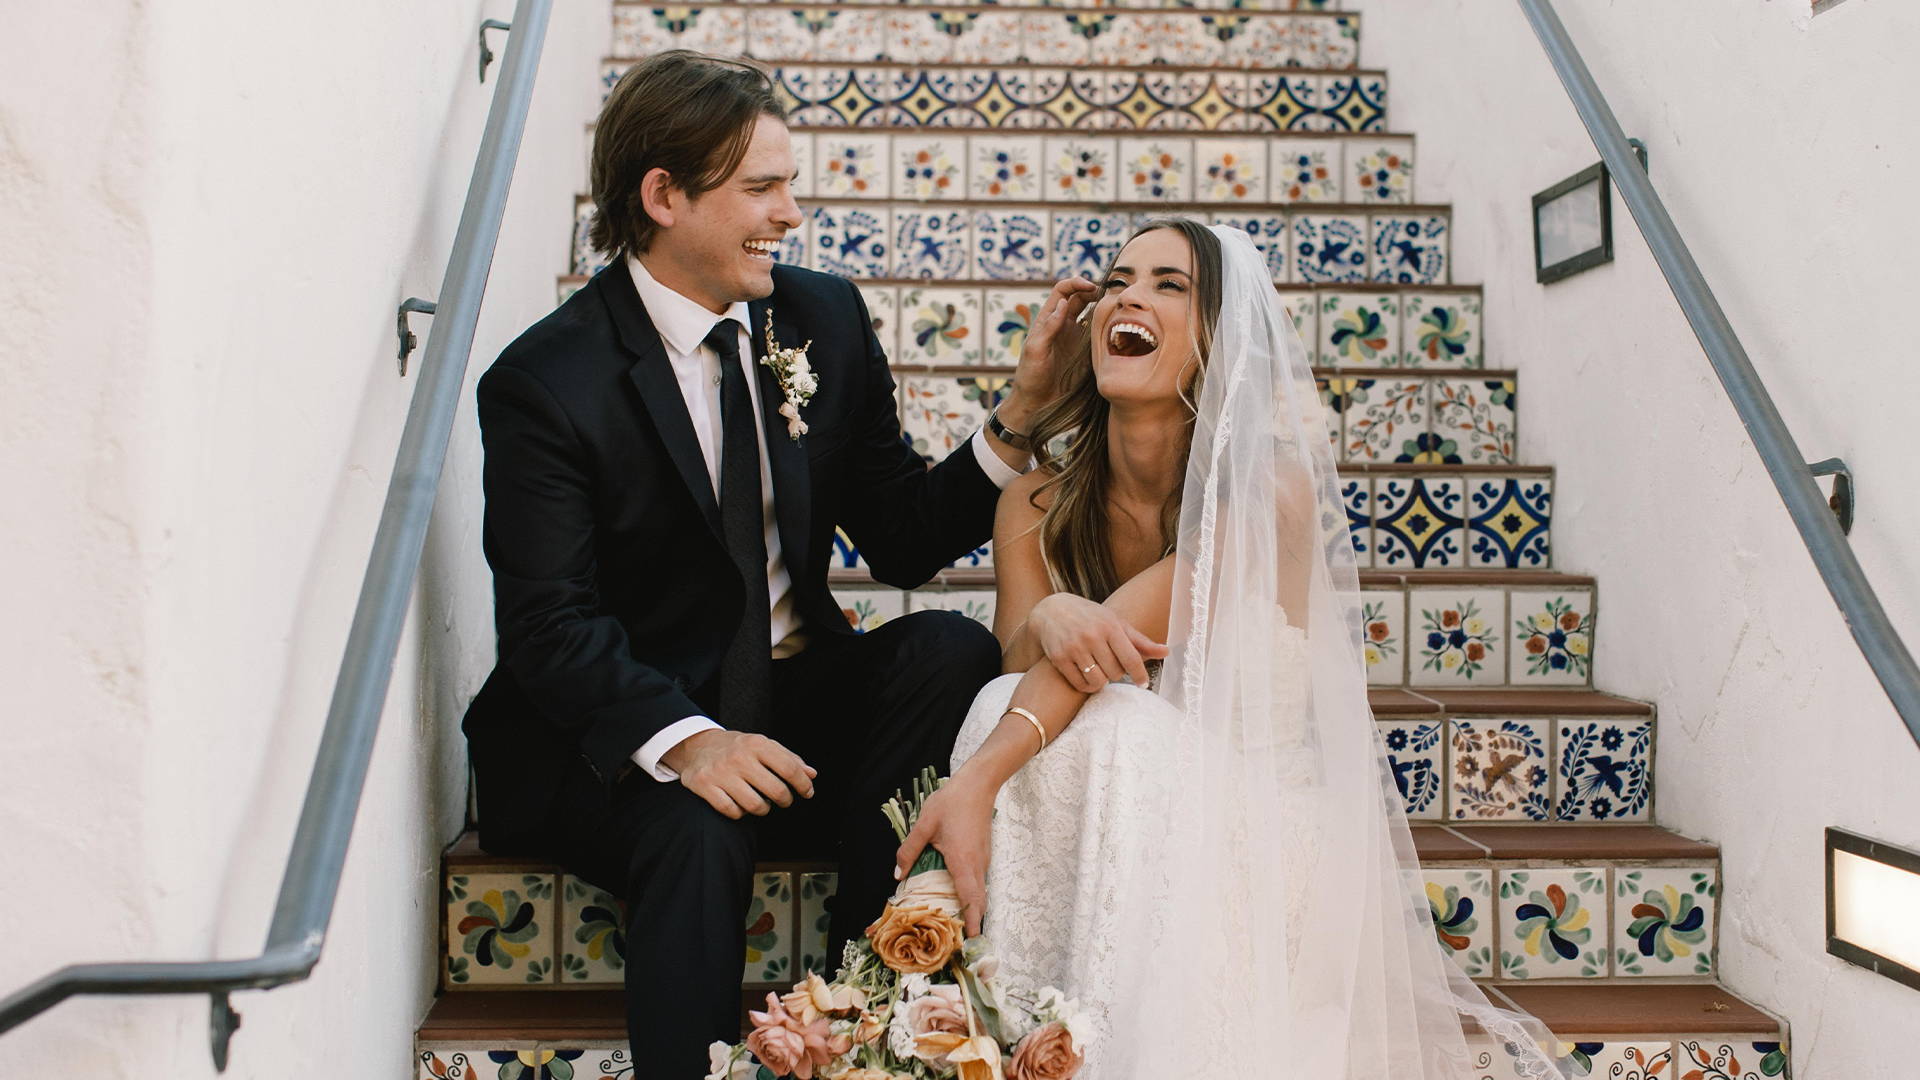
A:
(1045, 1054)
(940, 1012)
(814, 997)
(869, 1028)
(979, 1059)
(915, 940)
(867, 1074)
(789, 1047)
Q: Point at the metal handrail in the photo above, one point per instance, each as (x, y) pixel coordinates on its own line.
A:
(1819, 530)
(312, 879)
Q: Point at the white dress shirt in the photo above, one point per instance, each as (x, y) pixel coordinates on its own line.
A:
(683, 325)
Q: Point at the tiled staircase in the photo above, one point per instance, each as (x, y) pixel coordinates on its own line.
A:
(955, 161)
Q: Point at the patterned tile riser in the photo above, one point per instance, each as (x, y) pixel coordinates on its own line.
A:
(1472, 770)
(913, 34)
(1027, 241)
(1654, 1057)
(1023, 98)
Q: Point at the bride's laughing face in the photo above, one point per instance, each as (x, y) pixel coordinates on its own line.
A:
(1144, 349)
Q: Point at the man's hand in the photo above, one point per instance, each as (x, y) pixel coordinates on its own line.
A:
(958, 821)
(1089, 644)
(739, 773)
(1055, 333)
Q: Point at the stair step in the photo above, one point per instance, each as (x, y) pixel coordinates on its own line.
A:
(1087, 97)
(1569, 843)
(868, 33)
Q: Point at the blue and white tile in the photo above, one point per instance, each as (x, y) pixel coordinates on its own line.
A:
(1303, 306)
(1004, 167)
(1410, 249)
(1455, 636)
(1012, 245)
(1180, 97)
(883, 310)
(846, 554)
(1554, 923)
(1230, 171)
(1553, 637)
(1086, 243)
(1379, 171)
(975, 604)
(1156, 169)
(1280, 101)
(586, 261)
(1270, 238)
(1304, 170)
(1416, 755)
(1358, 329)
(1664, 920)
(1385, 415)
(1509, 522)
(796, 247)
(1356, 103)
(980, 558)
(869, 607)
(1384, 627)
(1499, 770)
(853, 241)
(1418, 524)
(1328, 249)
(802, 143)
(940, 326)
(1080, 168)
(1356, 502)
(1441, 330)
(1477, 414)
(1461, 901)
(1009, 316)
(929, 166)
(932, 243)
(1605, 769)
(942, 411)
(853, 165)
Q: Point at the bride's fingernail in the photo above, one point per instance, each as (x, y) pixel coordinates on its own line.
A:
(898, 873)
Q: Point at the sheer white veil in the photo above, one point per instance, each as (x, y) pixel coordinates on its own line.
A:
(1295, 940)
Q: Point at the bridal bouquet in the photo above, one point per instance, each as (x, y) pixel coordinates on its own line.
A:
(915, 999)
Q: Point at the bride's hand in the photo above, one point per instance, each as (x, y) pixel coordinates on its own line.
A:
(958, 821)
(1089, 644)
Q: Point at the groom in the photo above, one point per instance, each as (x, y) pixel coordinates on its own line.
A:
(677, 692)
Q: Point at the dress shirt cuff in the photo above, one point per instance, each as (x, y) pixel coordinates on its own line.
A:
(650, 752)
(998, 471)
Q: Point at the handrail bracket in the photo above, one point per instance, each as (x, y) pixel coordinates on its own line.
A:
(486, 54)
(1842, 498)
(411, 305)
(220, 1028)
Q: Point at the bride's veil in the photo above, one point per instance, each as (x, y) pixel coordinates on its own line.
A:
(1296, 940)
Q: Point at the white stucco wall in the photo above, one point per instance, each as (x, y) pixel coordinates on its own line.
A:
(208, 213)
(1785, 149)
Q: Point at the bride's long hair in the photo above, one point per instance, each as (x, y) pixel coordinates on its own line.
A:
(1071, 447)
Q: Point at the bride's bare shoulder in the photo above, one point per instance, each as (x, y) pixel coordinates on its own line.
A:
(1028, 493)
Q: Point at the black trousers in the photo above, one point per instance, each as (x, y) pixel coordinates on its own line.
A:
(868, 713)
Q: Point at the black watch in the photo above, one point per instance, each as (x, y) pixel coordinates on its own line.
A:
(1006, 434)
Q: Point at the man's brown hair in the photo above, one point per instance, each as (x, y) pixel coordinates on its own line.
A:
(690, 114)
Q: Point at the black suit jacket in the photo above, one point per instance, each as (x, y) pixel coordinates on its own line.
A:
(613, 596)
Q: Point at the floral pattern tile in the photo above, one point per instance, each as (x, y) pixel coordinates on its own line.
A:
(1080, 169)
(593, 934)
(1455, 633)
(1269, 232)
(853, 241)
(456, 1062)
(1499, 770)
(1416, 755)
(1086, 244)
(929, 167)
(1417, 525)
(803, 147)
(980, 558)
(917, 35)
(1004, 167)
(779, 34)
(1356, 499)
(975, 604)
(1185, 41)
(1304, 307)
(500, 929)
(1605, 770)
(883, 310)
(1230, 171)
(870, 608)
(641, 31)
(1156, 169)
(939, 326)
(1552, 637)
(1478, 415)
(1305, 170)
(1509, 521)
(846, 554)
(1358, 329)
(1410, 249)
(796, 247)
(1379, 171)
(1383, 615)
(1461, 902)
(1714, 1060)
(942, 411)
(1664, 920)
(1621, 1060)
(1056, 37)
(1010, 314)
(1385, 416)
(854, 165)
(770, 931)
(1553, 923)
(1122, 42)
(983, 37)
(816, 896)
(1012, 245)
(932, 244)
(586, 261)
(1328, 249)
(1441, 330)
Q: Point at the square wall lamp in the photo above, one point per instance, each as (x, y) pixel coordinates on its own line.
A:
(1873, 891)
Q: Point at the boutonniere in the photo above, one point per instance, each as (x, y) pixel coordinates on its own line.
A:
(795, 376)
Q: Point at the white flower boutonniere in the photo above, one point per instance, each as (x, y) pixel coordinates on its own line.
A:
(796, 378)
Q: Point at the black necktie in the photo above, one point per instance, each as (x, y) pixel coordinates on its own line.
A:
(746, 669)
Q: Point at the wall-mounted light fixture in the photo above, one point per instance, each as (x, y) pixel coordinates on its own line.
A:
(1873, 894)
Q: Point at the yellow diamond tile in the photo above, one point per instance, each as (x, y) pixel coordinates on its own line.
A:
(995, 105)
(1212, 108)
(852, 102)
(1140, 106)
(1067, 106)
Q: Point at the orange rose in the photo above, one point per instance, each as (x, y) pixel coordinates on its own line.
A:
(915, 940)
(1045, 1054)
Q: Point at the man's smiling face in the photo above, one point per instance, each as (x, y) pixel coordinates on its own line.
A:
(718, 248)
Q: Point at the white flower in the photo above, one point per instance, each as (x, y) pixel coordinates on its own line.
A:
(805, 382)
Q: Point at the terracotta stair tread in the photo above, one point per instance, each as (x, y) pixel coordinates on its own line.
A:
(1508, 700)
(527, 1014)
(1036, 283)
(1443, 843)
(1251, 206)
(978, 576)
(1170, 70)
(1614, 1009)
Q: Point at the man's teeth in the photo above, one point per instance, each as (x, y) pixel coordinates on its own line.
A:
(768, 248)
(1115, 332)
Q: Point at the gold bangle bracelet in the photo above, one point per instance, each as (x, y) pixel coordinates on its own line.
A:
(1015, 710)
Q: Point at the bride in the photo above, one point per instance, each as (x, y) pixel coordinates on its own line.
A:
(1211, 857)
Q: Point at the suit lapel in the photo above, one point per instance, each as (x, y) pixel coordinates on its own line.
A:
(653, 376)
(786, 456)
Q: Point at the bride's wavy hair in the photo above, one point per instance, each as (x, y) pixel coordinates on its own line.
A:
(1070, 438)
